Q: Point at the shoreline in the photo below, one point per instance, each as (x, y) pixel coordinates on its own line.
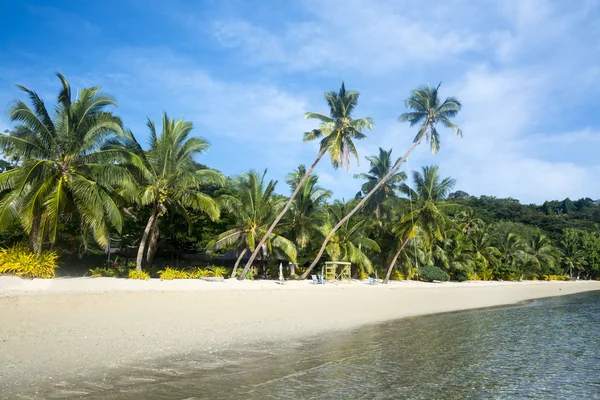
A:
(53, 331)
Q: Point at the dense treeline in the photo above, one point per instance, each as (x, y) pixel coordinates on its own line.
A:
(77, 182)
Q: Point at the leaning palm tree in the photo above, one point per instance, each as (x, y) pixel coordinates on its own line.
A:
(170, 179)
(337, 133)
(428, 110)
(253, 206)
(380, 166)
(63, 170)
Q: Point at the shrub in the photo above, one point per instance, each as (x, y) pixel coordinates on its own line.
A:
(555, 278)
(218, 271)
(134, 274)
(397, 276)
(103, 272)
(20, 261)
(430, 274)
(249, 275)
(170, 273)
(461, 276)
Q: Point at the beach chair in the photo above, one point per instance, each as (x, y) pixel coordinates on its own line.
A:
(321, 280)
(372, 281)
(315, 279)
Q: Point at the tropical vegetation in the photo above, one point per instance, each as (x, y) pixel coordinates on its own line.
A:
(78, 190)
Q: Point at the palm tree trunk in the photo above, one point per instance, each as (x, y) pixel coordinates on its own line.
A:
(358, 206)
(237, 262)
(140, 254)
(281, 214)
(391, 267)
(152, 243)
(35, 236)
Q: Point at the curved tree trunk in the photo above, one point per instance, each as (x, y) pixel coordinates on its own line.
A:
(237, 262)
(140, 254)
(152, 244)
(391, 267)
(358, 206)
(281, 214)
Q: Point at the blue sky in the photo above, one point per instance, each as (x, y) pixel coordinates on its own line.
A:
(244, 72)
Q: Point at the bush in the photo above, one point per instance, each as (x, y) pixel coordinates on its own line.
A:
(217, 271)
(430, 274)
(397, 276)
(103, 272)
(555, 278)
(461, 276)
(170, 273)
(249, 275)
(134, 274)
(20, 261)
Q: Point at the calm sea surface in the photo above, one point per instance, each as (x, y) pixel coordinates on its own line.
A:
(546, 349)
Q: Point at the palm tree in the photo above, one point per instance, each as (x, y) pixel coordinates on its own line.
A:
(253, 205)
(352, 240)
(380, 166)
(538, 250)
(170, 179)
(573, 256)
(512, 251)
(336, 132)
(454, 251)
(62, 168)
(426, 213)
(306, 209)
(428, 111)
(485, 253)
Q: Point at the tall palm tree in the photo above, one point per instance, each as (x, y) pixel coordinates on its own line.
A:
(539, 251)
(380, 166)
(170, 179)
(336, 133)
(253, 206)
(63, 170)
(352, 240)
(426, 213)
(428, 110)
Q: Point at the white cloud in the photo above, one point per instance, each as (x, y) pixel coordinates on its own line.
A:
(374, 36)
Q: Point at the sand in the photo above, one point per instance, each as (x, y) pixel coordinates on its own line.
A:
(58, 330)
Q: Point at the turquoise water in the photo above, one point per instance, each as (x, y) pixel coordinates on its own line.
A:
(546, 349)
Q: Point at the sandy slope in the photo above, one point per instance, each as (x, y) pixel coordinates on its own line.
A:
(52, 330)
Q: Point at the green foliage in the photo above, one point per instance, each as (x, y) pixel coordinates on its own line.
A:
(20, 261)
(142, 275)
(461, 276)
(65, 168)
(430, 274)
(169, 274)
(397, 276)
(104, 272)
(218, 271)
(339, 130)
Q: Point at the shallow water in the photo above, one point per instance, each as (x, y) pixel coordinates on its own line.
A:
(546, 349)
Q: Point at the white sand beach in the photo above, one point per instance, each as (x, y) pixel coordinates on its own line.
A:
(61, 329)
